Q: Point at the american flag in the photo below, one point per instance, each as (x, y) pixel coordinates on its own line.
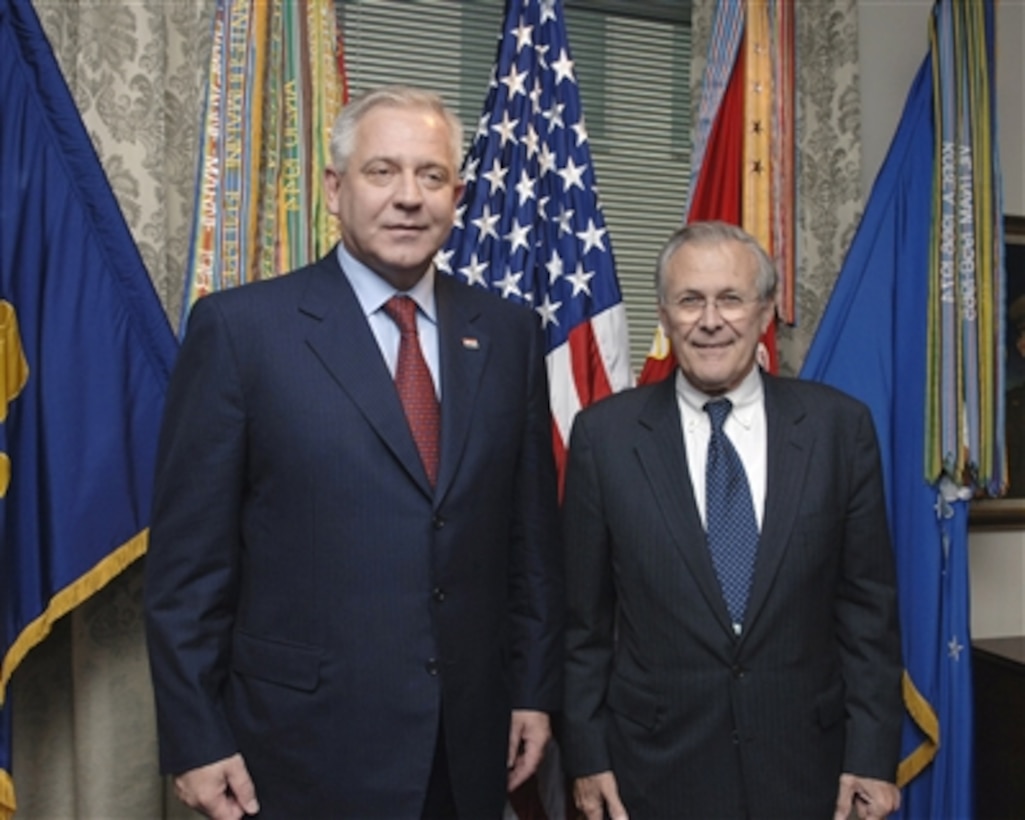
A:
(530, 226)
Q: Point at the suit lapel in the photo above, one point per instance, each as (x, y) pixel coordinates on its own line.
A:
(342, 340)
(662, 453)
(789, 448)
(464, 347)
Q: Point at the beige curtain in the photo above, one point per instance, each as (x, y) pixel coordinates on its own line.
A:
(84, 727)
(829, 153)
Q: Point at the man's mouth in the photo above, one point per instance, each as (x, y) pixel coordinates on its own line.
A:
(713, 345)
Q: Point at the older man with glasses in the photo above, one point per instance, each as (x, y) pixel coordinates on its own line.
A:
(732, 639)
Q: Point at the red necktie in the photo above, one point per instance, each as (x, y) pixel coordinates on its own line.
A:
(416, 389)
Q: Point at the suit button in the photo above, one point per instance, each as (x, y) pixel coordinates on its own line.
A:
(438, 594)
(438, 522)
(735, 737)
(738, 672)
(431, 666)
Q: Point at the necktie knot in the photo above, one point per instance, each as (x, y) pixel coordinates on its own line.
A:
(717, 411)
(402, 311)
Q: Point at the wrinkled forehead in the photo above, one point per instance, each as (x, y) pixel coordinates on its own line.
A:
(725, 259)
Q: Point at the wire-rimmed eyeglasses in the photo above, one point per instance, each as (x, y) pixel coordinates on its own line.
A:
(730, 306)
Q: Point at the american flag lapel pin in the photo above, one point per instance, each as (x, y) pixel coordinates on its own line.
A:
(471, 343)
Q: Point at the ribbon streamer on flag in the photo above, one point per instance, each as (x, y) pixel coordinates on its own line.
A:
(913, 329)
(743, 154)
(276, 85)
(965, 369)
(530, 226)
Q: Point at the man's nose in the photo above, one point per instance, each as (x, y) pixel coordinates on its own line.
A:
(710, 315)
(408, 193)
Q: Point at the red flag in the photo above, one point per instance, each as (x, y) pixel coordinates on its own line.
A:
(719, 194)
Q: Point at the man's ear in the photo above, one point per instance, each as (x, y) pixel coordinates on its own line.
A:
(459, 189)
(768, 315)
(332, 186)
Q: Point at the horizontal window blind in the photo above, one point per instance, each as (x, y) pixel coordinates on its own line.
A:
(632, 62)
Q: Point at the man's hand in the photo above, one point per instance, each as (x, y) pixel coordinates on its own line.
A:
(221, 790)
(529, 733)
(867, 798)
(598, 793)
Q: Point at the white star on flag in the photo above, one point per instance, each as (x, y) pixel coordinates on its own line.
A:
(548, 311)
(473, 271)
(572, 174)
(485, 223)
(514, 82)
(579, 279)
(563, 68)
(509, 284)
(525, 187)
(496, 176)
(592, 236)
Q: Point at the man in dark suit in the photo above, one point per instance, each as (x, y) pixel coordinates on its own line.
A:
(682, 700)
(354, 612)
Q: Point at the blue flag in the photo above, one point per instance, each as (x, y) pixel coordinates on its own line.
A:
(872, 343)
(85, 355)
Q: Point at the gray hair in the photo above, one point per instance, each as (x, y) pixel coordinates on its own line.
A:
(343, 134)
(715, 233)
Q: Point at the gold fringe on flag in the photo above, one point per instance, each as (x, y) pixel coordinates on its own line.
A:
(924, 716)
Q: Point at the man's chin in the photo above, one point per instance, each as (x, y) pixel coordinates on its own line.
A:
(402, 274)
(710, 383)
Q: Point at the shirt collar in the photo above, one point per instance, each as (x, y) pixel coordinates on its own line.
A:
(373, 291)
(746, 397)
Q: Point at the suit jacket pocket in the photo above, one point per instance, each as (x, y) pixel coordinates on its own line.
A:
(633, 703)
(285, 664)
(830, 706)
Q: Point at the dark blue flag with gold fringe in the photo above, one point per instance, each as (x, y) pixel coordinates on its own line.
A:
(85, 354)
(913, 329)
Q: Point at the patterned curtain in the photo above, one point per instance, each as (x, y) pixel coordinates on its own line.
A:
(829, 153)
(84, 726)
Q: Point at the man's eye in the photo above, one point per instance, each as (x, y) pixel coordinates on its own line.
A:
(379, 174)
(730, 300)
(434, 178)
(691, 302)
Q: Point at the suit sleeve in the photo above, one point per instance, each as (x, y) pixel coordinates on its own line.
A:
(867, 618)
(537, 602)
(591, 605)
(192, 566)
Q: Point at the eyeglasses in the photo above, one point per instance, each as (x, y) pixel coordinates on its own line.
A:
(730, 306)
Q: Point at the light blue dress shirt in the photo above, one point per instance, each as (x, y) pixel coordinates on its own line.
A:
(373, 292)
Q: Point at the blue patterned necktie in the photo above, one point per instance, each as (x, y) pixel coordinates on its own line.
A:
(730, 515)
